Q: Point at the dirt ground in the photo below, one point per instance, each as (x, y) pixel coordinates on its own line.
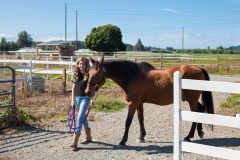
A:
(52, 105)
(47, 138)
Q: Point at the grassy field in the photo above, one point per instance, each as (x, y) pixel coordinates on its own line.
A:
(232, 103)
(213, 63)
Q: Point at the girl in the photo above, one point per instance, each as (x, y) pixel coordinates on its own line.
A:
(80, 98)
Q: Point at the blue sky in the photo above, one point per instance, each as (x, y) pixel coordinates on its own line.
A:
(157, 23)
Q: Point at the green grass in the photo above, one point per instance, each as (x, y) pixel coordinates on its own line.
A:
(107, 104)
(233, 102)
(108, 84)
(22, 118)
(62, 118)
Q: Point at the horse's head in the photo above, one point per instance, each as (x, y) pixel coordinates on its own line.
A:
(96, 76)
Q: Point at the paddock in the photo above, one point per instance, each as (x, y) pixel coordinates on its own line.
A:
(53, 139)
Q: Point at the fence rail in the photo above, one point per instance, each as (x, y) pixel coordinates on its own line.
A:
(159, 60)
(179, 116)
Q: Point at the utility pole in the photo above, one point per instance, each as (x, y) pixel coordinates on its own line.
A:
(65, 21)
(76, 30)
(182, 40)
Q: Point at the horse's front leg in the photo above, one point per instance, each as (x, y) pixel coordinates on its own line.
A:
(141, 123)
(131, 111)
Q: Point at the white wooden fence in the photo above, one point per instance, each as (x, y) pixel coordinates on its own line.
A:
(179, 116)
(46, 70)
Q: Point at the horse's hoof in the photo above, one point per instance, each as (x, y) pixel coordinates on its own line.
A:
(141, 140)
(201, 135)
(122, 144)
(187, 139)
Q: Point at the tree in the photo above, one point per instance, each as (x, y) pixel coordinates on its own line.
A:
(3, 40)
(24, 39)
(129, 47)
(80, 45)
(105, 38)
(170, 49)
(2, 44)
(139, 46)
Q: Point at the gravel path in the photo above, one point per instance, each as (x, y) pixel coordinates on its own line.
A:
(51, 143)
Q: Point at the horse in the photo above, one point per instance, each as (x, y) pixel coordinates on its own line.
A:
(143, 83)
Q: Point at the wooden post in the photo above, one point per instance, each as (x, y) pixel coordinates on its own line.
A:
(22, 87)
(37, 53)
(161, 61)
(64, 81)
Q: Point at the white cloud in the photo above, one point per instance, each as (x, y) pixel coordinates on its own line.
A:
(170, 10)
(7, 36)
(55, 38)
(51, 38)
(174, 36)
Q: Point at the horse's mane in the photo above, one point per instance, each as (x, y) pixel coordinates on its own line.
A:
(127, 70)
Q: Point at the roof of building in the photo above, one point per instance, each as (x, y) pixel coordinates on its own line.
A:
(28, 49)
(54, 43)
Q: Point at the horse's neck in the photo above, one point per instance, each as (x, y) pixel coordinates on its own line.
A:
(116, 79)
(113, 75)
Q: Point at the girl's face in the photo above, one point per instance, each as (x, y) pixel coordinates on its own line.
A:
(82, 66)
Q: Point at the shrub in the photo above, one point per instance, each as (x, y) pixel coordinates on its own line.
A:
(233, 101)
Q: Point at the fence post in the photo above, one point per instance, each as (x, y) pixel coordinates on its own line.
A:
(72, 59)
(177, 122)
(161, 61)
(4, 57)
(47, 66)
(30, 77)
(64, 81)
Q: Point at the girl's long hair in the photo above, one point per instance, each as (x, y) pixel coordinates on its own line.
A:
(77, 74)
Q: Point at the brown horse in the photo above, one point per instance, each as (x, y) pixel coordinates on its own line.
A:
(142, 83)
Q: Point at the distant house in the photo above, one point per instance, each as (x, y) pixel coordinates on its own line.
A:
(28, 50)
(64, 47)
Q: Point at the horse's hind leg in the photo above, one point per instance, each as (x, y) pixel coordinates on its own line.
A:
(141, 123)
(194, 125)
(191, 133)
(131, 111)
(199, 125)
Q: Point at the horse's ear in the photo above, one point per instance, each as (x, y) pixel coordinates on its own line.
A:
(92, 60)
(101, 60)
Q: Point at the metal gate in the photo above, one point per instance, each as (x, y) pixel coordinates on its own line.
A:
(7, 94)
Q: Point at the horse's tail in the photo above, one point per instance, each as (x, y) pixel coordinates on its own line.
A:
(207, 98)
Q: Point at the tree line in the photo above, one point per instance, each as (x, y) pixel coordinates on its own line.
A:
(108, 38)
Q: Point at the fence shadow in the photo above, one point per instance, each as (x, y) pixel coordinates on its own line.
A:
(220, 142)
(28, 136)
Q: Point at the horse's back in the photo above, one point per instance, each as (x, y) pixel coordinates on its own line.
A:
(159, 85)
(192, 72)
(187, 71)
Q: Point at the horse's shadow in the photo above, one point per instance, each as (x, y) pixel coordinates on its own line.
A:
(163, 147)
(150, 149)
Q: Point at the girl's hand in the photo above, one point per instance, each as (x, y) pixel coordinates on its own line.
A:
(91, 103)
